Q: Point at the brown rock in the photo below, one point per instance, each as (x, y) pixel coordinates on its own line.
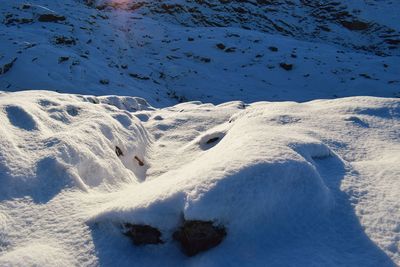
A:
(143, 234)
(197, 236)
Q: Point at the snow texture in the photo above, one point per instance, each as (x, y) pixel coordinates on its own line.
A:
(152, 55)
(121, 111)
(293, 183)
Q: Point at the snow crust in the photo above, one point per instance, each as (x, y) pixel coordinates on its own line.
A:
(302, 184)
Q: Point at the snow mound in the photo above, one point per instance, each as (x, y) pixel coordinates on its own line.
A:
(256, 175)
(311, 183)
(51, 141)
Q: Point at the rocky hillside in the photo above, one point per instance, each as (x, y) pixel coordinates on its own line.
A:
(352, 23)
(124, 49)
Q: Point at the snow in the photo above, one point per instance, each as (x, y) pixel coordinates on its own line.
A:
(180, 110)
(141, 55)
(291, 182)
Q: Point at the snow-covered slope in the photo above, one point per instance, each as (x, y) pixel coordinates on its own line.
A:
(289, 183)
(294, 184)
(362, 25)
(147, 54)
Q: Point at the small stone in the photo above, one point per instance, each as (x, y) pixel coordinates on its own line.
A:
(63, 40)
(197, 236)
(139, 76)
(62, 59)
(104, 81)
(118, 151)
(140, 162)
(221, 46)
(273, 48)
(51, 18)
(212, 140)
(355, 25)
(6, 67)
(143, 234)
(286, 66)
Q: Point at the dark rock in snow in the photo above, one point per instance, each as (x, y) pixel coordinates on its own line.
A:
(212, 140)
(143, 234)
(49, 17)
(273, 48)
(6, 67)
(286, 66)
(118, 151)
(355, 25)
(140, 162)
(197, 236)
(62, 59)
(63, 40)
(139, 76)
(221, 46)
(105, 81)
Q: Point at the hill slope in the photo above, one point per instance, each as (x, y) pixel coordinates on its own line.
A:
(148, 54)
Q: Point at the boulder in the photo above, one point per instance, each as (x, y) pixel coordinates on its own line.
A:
(143, 234)
(197, 236)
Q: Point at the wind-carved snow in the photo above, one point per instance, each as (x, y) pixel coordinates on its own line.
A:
(292, 183)
(56, 141)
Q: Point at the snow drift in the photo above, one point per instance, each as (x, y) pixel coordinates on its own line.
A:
(292, 183)
(52, 141)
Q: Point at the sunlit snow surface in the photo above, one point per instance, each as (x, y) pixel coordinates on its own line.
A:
(295, 184)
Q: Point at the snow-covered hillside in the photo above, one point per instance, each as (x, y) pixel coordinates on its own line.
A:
(199, 133)
(141, 53)
(294, 184)
(363, 25)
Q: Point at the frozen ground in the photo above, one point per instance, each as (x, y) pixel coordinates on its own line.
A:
(295, 184)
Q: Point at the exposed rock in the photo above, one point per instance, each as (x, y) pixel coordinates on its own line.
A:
(139, 76)
(393, 41)
(289, 18)
(221, 46)
(143, 234)
(118, 151)
(62, 59)
(11, 20)
(355, 25)
(140, 162)
(104, 81)
(198, 236)
(286, 66)
(205, 59)
(6, 67)
(63, 40)
(212, 140)
(273, 48)
(26, 6)
(50, 17)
